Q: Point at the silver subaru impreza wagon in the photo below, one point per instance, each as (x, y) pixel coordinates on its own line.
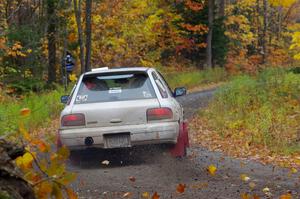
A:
(119, 108)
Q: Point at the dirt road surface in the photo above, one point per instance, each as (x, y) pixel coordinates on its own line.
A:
(153, 170)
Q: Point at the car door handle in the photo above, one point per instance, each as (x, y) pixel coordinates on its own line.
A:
(115, 121)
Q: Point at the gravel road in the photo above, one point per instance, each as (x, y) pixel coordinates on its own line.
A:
(153, 170)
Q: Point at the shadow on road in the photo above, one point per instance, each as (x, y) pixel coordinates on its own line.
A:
(94, 158)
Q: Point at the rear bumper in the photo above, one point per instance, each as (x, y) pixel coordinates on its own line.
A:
(153, 133)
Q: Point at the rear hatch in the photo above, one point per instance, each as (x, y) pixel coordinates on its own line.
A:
(113, 99)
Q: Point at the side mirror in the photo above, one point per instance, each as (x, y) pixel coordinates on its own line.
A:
(64, 99)
(179, 91)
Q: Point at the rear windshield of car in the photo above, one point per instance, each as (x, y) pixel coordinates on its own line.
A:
(115, 87)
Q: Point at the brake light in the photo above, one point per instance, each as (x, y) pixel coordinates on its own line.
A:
(159, 114)
(73, 120)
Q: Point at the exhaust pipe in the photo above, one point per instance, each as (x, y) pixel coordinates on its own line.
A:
(89, 141)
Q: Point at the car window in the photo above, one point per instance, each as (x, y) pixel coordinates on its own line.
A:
(165, 83)
(162, 89)
(71, 95)
(115, 87)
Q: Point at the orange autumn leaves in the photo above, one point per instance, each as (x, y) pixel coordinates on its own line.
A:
(17, 50)
(180, 188)
(248, 196)
(25, 112)
(195, 6)
(43, 167)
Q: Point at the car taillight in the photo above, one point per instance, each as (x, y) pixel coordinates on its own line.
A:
(159, 114)
(73, 120)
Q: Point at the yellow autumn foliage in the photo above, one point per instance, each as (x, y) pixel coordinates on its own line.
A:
(295, 46)
(25, 161)
(212, 169)
(282, 3)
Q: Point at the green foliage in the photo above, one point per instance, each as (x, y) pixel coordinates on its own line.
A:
(30, 38)
(4, 195)
(28, 85)
(44, 107)
(296, 70)
(220, 42)
(263, 110)
(196, 78)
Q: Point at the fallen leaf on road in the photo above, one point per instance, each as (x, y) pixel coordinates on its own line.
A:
(266, 189)
(105, 193)
(180, 188)
(105, 162)
(256, 197)
(146, 195)
(200, 185)
(127, 195)
(155, 196)
(297, 160)
(242, 164)
(294, 170)
(245, 196)
(71, 194)
(286, 196)
(132, 179)
(252, 185)
(212, 169)
(244, 177)
(81, 183)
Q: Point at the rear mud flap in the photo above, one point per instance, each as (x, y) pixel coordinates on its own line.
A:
(179, 149)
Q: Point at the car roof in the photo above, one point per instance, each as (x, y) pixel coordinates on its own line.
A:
(119, 69)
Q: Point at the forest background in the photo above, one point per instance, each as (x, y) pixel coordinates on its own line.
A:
(240, 36)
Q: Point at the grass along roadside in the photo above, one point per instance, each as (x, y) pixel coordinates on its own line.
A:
(196, 79)
(255, 117)
(44, 107)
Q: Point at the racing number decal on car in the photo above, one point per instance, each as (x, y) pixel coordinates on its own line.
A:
(81, 98)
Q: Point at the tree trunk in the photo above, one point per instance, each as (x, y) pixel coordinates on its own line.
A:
(88, 35)
(51, 34)
(264, 35)
(279, 23)
(222, 6)
(77, 8)
(258, 26)
(211, 4)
